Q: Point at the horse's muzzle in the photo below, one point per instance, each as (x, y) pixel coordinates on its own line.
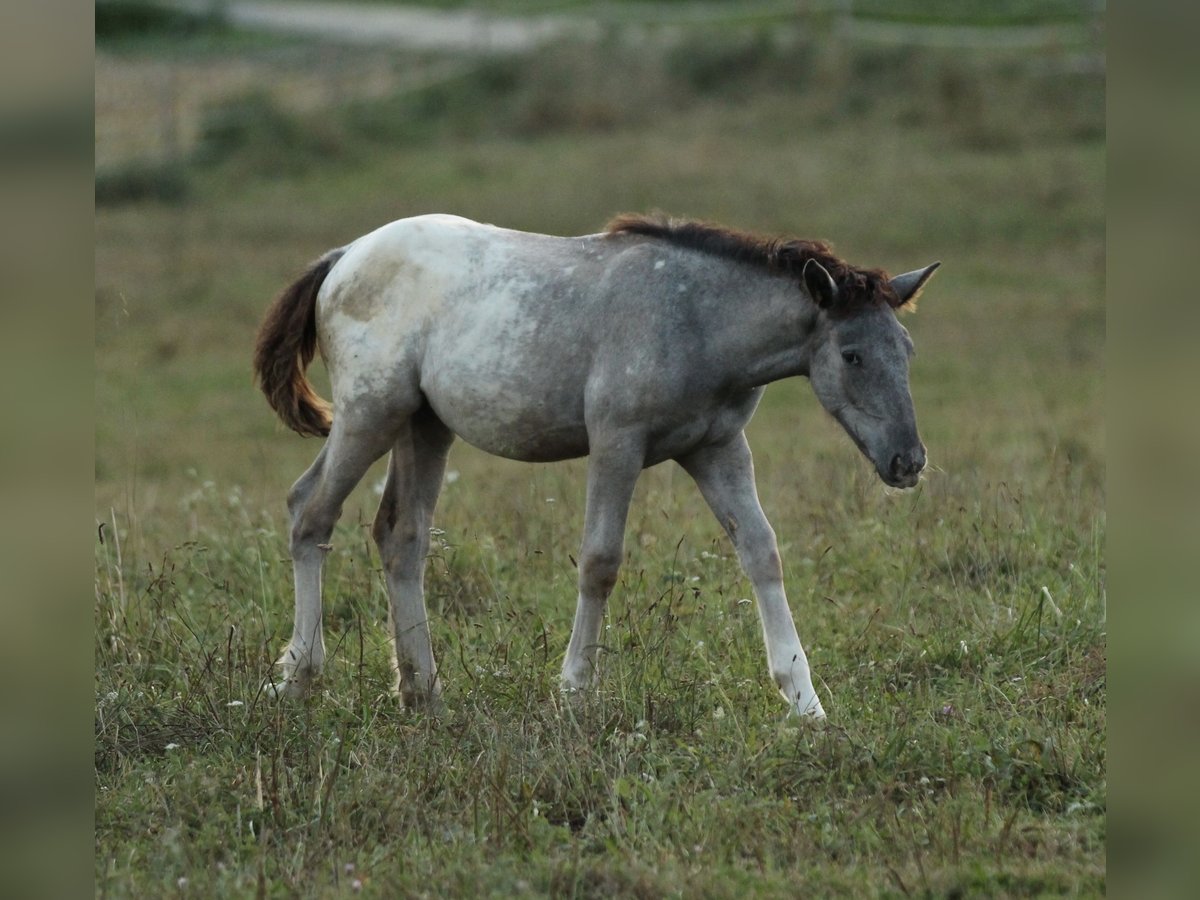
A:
(905, 468)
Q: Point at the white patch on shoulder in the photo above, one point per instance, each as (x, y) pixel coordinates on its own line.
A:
(660, 264)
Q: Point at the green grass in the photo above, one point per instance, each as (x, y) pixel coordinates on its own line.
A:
(978, 12)
(939, 12)
(965, 753)
(132, 27)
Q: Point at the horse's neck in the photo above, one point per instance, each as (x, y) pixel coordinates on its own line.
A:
(767, 331)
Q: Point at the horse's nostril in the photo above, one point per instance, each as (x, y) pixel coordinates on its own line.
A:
(904, 465)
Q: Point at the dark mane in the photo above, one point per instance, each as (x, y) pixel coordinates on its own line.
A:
(857, 288)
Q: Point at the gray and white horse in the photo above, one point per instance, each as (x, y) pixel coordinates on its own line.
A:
(651, 341)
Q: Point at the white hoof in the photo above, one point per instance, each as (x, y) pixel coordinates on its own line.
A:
(426, 698)
(810, 709)
(577, 696)
(300, 668)
(578, 679)
(283, 690)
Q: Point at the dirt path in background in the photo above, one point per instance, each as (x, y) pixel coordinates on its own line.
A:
(478, 31)
(410, 27)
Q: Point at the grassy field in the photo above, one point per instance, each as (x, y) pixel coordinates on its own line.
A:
(957, 631)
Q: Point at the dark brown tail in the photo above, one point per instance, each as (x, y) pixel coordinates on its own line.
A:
(287, 340)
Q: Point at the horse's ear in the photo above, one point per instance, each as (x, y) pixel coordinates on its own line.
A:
(819, 284)
(908, 286)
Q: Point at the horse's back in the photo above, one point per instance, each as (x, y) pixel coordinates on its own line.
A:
(431, 259)
(482, 323)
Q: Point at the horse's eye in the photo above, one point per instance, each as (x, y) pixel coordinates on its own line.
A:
(851, 358)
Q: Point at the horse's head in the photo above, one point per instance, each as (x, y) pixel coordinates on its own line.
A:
(859, 372)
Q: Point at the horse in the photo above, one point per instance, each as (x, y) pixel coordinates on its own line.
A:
(650, 341)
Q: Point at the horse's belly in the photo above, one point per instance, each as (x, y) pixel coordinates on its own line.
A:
(508, 379)
(515, 424)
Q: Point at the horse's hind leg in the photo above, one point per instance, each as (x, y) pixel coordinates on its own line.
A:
(402, 533)
(315, 504)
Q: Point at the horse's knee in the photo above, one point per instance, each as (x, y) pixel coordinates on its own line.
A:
(296, 497)
(299, 493)
(598, 572)
(401, 539)
(766, 567)
(760, 559)
(385, 521)
(298, 506)
(311, 527)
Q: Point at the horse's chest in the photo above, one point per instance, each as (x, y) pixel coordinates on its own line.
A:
(700, 425)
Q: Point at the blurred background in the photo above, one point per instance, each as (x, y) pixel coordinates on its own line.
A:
(237, 141)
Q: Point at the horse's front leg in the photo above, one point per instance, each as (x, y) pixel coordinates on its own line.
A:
(725, 476)
(613, 469)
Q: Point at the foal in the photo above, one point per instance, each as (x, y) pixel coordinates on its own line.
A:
(650, 341)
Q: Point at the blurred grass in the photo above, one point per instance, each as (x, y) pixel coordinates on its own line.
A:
(980, 12)
(966, 753)
(969, 12)
(117, 19)
(131, 27)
